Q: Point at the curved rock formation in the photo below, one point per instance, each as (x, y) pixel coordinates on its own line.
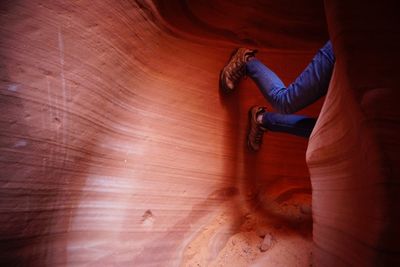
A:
(117, 149)
(353, 159)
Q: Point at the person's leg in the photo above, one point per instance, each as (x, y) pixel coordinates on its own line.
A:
(288, 123)
(309, 86)
(260, 120)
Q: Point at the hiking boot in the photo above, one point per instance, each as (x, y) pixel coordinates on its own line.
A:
(255, 130)
(235, 69)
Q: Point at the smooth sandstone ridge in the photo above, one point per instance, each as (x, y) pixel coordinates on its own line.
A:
(353, 154)
(117, 148)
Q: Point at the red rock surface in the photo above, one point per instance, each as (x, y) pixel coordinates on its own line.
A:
(353, 153)
(118, 150)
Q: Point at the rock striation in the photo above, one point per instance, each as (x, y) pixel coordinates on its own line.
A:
(117, 148)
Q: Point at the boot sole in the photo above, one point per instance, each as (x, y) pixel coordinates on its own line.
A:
(224, 89)
(249, 120)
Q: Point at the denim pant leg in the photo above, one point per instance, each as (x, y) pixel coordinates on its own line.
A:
(309, 86)
(289, 123)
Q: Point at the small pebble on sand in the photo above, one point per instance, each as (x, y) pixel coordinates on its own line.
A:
(267, 242)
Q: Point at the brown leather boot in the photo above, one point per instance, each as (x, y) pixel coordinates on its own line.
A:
(234, 71)
(255, 130)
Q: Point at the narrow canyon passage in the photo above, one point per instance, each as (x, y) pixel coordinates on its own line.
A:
(117, 148)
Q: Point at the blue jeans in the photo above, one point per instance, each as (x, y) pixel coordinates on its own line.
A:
(308, 87)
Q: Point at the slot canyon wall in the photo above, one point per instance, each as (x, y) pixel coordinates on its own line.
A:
(353, 151)
(117, 148)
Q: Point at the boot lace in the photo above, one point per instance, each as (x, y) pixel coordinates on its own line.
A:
(257, 134)
(236, 71)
